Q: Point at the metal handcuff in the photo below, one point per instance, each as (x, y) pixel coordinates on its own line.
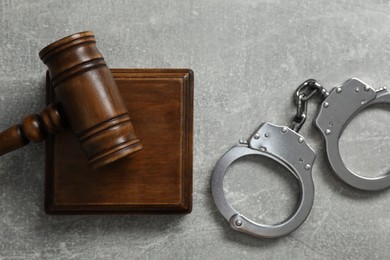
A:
(288, 148)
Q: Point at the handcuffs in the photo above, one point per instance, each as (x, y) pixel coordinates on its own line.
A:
(285, 146)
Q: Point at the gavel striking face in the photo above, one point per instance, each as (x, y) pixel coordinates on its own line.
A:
(88, 100)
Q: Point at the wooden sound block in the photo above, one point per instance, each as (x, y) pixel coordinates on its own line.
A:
(157, 179)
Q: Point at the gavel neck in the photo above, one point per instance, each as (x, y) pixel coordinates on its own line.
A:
(34, 128)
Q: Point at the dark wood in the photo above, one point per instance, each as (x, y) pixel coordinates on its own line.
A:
(12, 139)
(89, 101)
(34, 128)
(158, 179)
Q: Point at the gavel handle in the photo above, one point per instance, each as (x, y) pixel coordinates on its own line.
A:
(34, 128)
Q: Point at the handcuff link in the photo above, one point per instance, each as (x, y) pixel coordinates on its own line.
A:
(288, 148)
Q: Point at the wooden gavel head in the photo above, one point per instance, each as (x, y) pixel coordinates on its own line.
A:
(88, 99)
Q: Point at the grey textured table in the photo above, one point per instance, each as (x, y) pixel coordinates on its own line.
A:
(248, 58)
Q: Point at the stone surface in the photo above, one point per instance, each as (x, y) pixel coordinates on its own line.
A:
(248, 58)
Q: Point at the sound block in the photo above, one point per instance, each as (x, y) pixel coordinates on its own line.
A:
(157, 179)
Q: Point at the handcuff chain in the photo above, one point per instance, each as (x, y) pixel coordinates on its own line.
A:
(304, 92)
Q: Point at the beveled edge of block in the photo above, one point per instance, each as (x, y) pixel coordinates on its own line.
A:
(185, 206)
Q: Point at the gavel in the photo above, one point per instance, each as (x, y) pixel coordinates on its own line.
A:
(88, 100)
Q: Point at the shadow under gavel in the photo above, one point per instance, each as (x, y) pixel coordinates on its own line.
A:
(88, 100)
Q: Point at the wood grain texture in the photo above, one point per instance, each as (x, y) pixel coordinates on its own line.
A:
(157, 179)
(34, 128)
(90, 99)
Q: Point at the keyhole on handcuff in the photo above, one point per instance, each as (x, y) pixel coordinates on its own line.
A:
(365, 143)
(261, 189)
